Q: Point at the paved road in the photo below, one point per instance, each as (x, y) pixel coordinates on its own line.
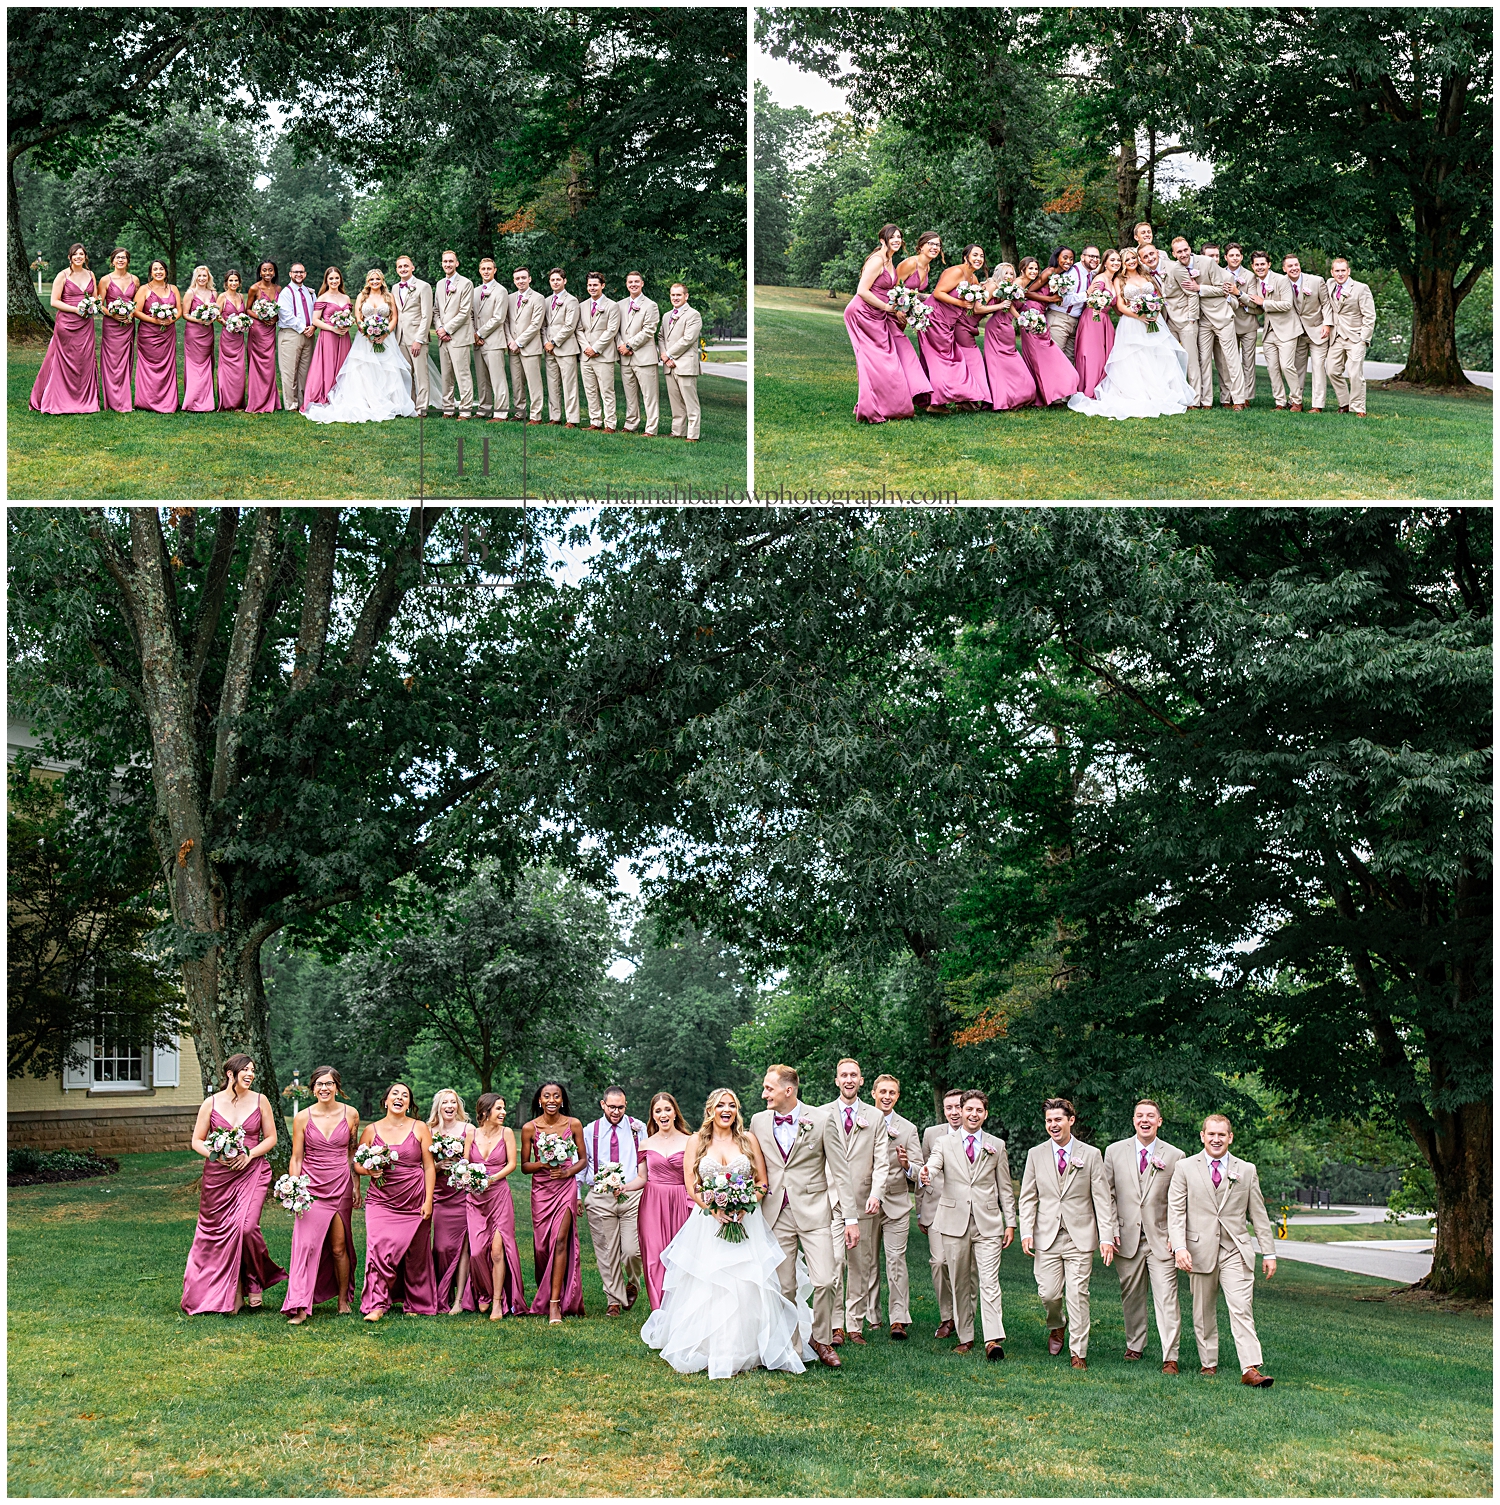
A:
(734, 370)
(1340, 1215)
(1399, 1260)
(1385, 370)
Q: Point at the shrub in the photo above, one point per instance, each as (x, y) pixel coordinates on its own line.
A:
(27, 1166)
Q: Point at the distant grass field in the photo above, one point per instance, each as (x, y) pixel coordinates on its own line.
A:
(205, 456)
(806, 438)
(113, 1392)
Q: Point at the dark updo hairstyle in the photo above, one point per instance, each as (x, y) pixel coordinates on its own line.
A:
(681, 1124)
(333, 1071)
(275, 277)
(156, 261)
(232, 1067)
(536, 1099)
(1026, 261)
(485, 1106)
(235, 273)
(411, 1096)
(924, 237)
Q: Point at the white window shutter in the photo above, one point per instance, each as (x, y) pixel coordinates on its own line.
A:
(80, 1077)
(166, 1065)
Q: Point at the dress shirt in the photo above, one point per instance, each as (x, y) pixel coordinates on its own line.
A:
(295, 306)
(1143, 1149)
(973, 1145)
(1066, 1150)
(632, 1134)
(1075, 298)
(786, 1133)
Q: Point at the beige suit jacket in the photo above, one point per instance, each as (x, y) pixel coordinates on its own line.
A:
(1214, 307)
(528, 313)
(1245, 312)
(413, 311)
(1282, 322)
(862, 1156)
(599, 328)
(927, 1195)
(1307, 304)
(1351, 313)
(1200, 1217)
(982, 1190)
(491, 311)
(896, 1199)
(562, 323)
(809, 1177)
(678, 340)
(1079, 1202)
(453, 309)
(1141, 1201)
(1181, 303)
(638, 320)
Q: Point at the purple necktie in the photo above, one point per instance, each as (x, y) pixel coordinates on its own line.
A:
(614, 1145)
(1143, 1162)
(1216, 1177)
(302, 301)
(971, 1149)
(1062, 1162)
(848, 1120)
(1338, 289)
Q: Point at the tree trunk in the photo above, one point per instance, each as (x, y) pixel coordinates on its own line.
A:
(1127, 190)
(26, 319)
(1463, 1252)
(1150, 178)
(1433, 358)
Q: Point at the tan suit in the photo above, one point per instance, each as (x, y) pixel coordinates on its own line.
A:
(562, 359)
(893, 1224)
(1180, 305)
(1307, 304)
(413, 327)
(638, 320)
(453, 315)
(1209, 1222)
(1216, 337)
(863, 1160)
(802, 1189)
(1285, 343)
(926, 1198)
(1350, 309)
(492, 325)
(1244, 336)
(293, 348)
(528, 314)
(1066, 1218)
(1145, 1251)
(678, 342)
(599, 330)
(976, 1204)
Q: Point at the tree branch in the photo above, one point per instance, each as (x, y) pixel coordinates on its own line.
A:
(387, 593)
(214, 587)
(317, 598)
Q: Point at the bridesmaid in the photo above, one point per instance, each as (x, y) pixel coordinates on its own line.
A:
(450, 1209)
(1096, 333)
(949, 349)
(665, 1204)
(554, 1203)
(495, 1260)
(198, 344)
(1011, 382)
(887, 385)
(231, 345)
(117, 351)
(332, 349)
(69, 379)
(1056, 376)
(260, 387)
(915, 272)
(398, 1215)
(156, 346)
(323, 1140)
(229, 1253)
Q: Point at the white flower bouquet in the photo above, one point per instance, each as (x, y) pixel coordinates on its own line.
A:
(375, 327)
(611, 1179)
(1059, 283)
(377, 1159)
(294, 1193)
(203, 313)
(342, 319)
(734, 1194)
(119, 308)
(265, 310)
(1008, 291)
(446, 1148)
(226, 1144)
(1099, 297)
(919, 318)
(166, 312)
(1032, 320)
(89, 307)
(237, 323)
(470, 1176)
(901, 299)
(554, 1149)
(1148, 306)
(972, 293)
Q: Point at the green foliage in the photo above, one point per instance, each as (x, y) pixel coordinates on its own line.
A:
(779, 136)
(433, 1065)
(1417, 1193)
(26, 1164)
(301, 212)
(831, 194)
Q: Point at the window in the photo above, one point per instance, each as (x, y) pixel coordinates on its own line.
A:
(117, 1062)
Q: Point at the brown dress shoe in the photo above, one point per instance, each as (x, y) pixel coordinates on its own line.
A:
(1344, 409)
(945, 1330)
(1239, 407)
(898, 1332)
(1080, 1363)
(613, 1309)
(1296, 407)
(838, 1337)
(1357, 412)
(994, 1351)
(632, 1290)
(1132, 1354)
(858, 1338)
(1170, 1367)
(1315, 410)
(964, 1347)
(1209, 1369)
(825, 1354)
(1253, 1376)
(1055, 1340)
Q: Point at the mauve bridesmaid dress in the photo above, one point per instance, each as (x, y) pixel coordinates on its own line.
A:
(328, 357)
(1056, 376)
(911, 363)
(227, 1242)
(398, 1239)
(1092, 343)
(69, 379)
(450, 1211)
(232, 359)
(951, 355)
(117, 351)
(313, 1277)
(260, 388)
(492, 1213)
(156, 364)
(1011, 383)
(886, 384)
(665, 1207)
(551, 1202)
(198, 359)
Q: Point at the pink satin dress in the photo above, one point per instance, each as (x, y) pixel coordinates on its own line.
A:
(665, 1207)
(69, 379)
(1094, 339)
(313, 1276)
(260, 385)
(494, 1213)
(198, 359)
(231, 358)
(398, 1239)
(328, 357)
(951, 355)
(156, 362)
(1011, 383)
(117, 350)
(889, 374)
(450, 1209)
(1056, 376)
(551, 1203)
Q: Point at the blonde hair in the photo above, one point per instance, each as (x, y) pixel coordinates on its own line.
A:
(885, 1076)
(193, 282)
(705, 1134)
(437, 1097)
(366, 290)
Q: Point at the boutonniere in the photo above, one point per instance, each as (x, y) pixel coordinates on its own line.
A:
(1156, 1165)
(804, 1126)
(1073, 1165)
(985, 1150)
(1230, 1176)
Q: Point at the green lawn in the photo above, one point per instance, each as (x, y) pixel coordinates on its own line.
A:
(112, 1391)
(806, 438)
(203, 456)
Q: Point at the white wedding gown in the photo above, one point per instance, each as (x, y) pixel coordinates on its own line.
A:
(722, 1309)
(373, 385)
(1144, 377)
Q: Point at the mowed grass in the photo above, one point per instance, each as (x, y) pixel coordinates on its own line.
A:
(112, 1391)
(131, 456)
(807, 440)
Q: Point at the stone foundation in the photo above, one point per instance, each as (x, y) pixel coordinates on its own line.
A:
(110, 1131)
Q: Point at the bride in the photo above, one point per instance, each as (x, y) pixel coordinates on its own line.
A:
(1146, 373)
(722, 1309)
(371, 385)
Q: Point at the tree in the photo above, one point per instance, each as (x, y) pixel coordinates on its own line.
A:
(779, 137)
(823, 245)
(300, 214)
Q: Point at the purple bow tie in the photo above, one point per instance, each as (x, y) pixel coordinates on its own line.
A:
(786, 1118)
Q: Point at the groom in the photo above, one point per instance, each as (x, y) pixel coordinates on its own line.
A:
(803, 1185)
(413, 324)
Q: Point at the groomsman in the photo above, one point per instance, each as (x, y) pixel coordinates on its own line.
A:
(1285, 343)
(1307, 304)
(1062, 322)
(413, 325)
(953, 1113)
(1143, 235)
(294, 337)
(679, 356)
(1066, 1213)
(1212, 1197)
(560, 340)
(491, 325)
(893, 1220)
(639, 317)
(1075, 300)
(1349, 314)
(1139, 1171)
(1179, 293)
(1244, 325)
(1216, 338)
(528, 315)
(453, 319)
(859, 1140)
(615, 1139)
(803, 1176)
(598, 335)
(976, 1217)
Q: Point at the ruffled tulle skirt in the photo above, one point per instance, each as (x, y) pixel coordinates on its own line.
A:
(1144, 377)
(371, 386)
(722, 1309)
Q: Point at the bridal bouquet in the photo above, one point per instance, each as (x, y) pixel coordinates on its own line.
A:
(89, 307)
(732, 1193)
(919, 318)
(226, 1144)
(265, 310)
(166, 311)
(1059, 283)
(375, 327)
(1032, 320)
(377, 1159)
(1098, 298)
(446, 1148)
(554, 1149)
(1008, 292)
(971, 292)
(611, 1179)
(471, 1176)
(342, 319)
(1148, 306)
(237, 323)
(119, 308)
(294, 1193)
(203, 313)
